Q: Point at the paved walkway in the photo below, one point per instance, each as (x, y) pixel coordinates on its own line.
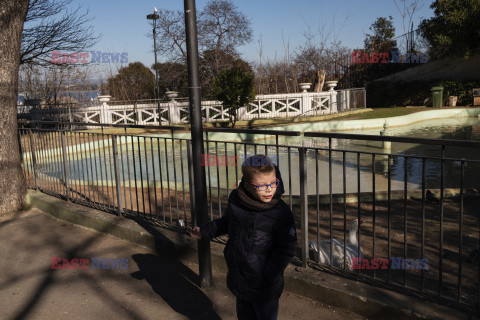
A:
(152, 287)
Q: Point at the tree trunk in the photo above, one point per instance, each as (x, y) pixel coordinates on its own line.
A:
(320, 81)
(12, 183)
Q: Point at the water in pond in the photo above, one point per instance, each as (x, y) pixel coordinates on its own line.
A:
(148, 151)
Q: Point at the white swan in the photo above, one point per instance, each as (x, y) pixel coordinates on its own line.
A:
(337, 248)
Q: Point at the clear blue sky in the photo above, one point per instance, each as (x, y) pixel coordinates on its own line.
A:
(124, 26)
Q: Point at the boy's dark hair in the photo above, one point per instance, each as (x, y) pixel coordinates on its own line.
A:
(256, 164)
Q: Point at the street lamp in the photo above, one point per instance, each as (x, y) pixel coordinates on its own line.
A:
(154, 16)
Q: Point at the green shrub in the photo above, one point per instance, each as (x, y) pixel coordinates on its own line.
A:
(234, 87)
(383, 94)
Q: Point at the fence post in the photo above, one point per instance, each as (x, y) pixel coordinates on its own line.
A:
(34, 158)
(364, 97)
(70, 114)
(65, 166)
(303, 204)
(117, 175)
(333, 102)
(173, 112)
(306, 103)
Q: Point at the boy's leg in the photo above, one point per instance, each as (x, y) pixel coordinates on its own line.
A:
(266, 310)
(245, 310)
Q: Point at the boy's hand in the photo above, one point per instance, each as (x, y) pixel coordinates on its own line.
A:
(196, 233)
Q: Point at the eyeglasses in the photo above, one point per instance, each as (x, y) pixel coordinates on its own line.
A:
(264, 187)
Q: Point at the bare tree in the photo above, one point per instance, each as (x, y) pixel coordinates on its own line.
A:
(55, 84)
(50, 26)
(171, 35)
(321, 50)
(223, 27)
(407, 10)
(12, 182)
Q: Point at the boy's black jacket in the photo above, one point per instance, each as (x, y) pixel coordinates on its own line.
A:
(259, 247)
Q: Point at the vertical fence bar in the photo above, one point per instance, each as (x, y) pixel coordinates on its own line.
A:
(218, 180)
(48, 159)
(88, 171)
(373, 210)
(81, 166)
(440, 251)
(290, 178)
(25, 162)
(66, 173)
(161, 177)
(422, 273)
(226, 168)
(117, 175)
(183, 183)
(109, 166)
(141, 175)
(95, 159)
(43, 183)
(57, 157)
(344, 178)
(123, 174)
(236, 164)
(175, 174)
(405, 194)
(358, 207)
(191, 183)
(303, 203)
(317, 192)
(34, 158)
(75, 184)
(20, 149)
(98, 163)
(330, 196)
(135, 173)
(46, 182)
(460, 233)
(145, 149)
(277, 149)
(154, 179)
(389, 205)
(128, 172)
(168, 180)
(207, 163)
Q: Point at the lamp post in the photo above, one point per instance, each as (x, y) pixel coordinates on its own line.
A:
(154, 16)
(199, 186)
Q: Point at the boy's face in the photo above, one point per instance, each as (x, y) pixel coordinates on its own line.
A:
(261, 179)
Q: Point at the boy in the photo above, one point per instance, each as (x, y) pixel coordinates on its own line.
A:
(262, 239)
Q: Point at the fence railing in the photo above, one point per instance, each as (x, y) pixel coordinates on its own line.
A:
(420, 211)
(174, 112)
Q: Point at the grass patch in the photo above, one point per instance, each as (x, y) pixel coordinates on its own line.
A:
(386, 113)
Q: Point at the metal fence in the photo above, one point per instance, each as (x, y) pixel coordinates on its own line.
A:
(414, 205)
